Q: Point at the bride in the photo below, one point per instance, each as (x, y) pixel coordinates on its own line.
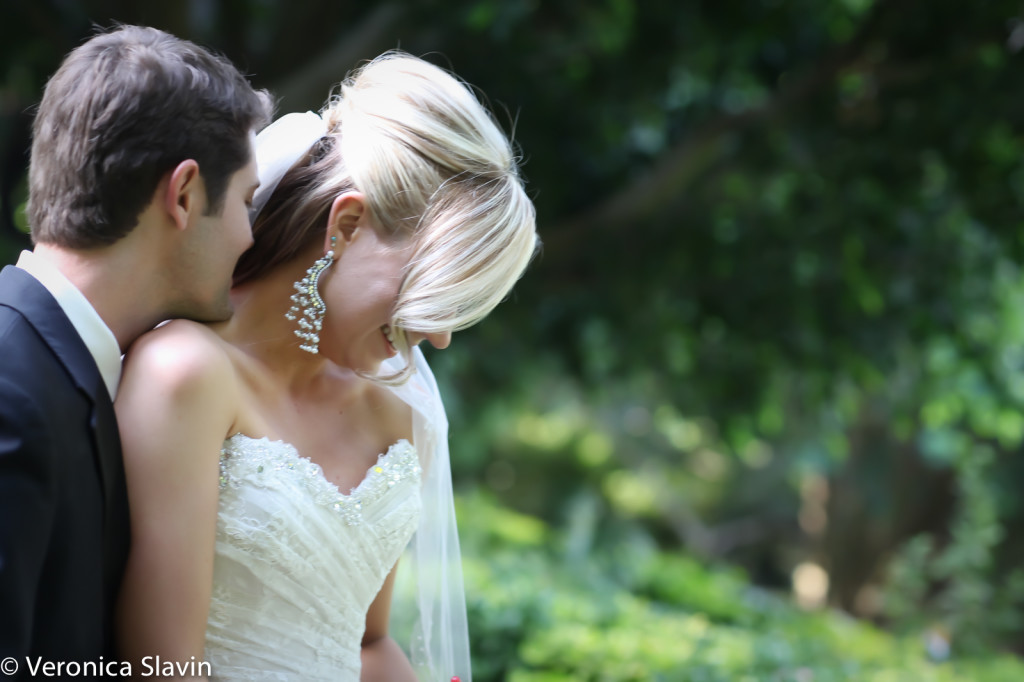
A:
(279, 463)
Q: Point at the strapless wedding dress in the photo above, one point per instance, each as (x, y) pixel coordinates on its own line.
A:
(298, 563)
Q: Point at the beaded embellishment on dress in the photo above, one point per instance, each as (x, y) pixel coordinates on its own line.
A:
(398, 463)
(298, 563)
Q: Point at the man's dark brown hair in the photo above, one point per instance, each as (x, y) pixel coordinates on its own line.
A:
(125, 108)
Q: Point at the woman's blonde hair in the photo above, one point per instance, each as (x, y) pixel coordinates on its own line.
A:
(435, 168)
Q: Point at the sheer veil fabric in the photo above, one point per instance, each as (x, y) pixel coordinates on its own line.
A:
(279, 146)
(439, 646)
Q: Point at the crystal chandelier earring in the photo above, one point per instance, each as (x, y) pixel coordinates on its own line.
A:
(307, 306)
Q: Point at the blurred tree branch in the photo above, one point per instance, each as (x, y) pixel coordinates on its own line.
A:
(306, 86)
(677, 168)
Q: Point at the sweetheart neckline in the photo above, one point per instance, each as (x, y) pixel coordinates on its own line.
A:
(375, 468)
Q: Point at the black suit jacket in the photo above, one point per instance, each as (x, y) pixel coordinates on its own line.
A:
(63, 504)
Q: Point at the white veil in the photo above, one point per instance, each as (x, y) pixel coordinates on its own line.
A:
(432, 570)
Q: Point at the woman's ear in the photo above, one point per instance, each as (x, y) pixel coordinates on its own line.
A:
(343, 222)
(182, 197)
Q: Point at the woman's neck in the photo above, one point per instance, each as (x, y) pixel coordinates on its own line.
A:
(259, 329)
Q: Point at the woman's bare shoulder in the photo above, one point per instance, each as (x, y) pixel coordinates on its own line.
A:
(178, 354)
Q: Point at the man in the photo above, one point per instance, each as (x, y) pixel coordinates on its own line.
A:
(140, 177)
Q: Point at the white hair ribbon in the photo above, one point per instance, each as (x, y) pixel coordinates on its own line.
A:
(278, 147)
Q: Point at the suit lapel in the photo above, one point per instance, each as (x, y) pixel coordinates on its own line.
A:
(115, 494)
(23, 293)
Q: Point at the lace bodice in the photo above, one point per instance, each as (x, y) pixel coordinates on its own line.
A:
(298, 563)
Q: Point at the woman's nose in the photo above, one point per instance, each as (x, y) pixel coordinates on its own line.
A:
(440, 340)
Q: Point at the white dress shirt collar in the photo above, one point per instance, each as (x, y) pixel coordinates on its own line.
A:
(87, 322)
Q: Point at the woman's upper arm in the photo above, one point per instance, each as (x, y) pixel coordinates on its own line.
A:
(382, 658)
(174, 409)
(378, 617)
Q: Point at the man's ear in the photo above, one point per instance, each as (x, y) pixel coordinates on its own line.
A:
(185, 193)
(347, 215)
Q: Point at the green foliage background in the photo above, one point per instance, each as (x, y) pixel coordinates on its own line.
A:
(777, 318)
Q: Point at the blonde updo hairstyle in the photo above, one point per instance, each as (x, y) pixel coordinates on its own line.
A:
(435, 168)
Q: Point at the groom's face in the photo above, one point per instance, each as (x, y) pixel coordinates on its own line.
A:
(218, 241)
